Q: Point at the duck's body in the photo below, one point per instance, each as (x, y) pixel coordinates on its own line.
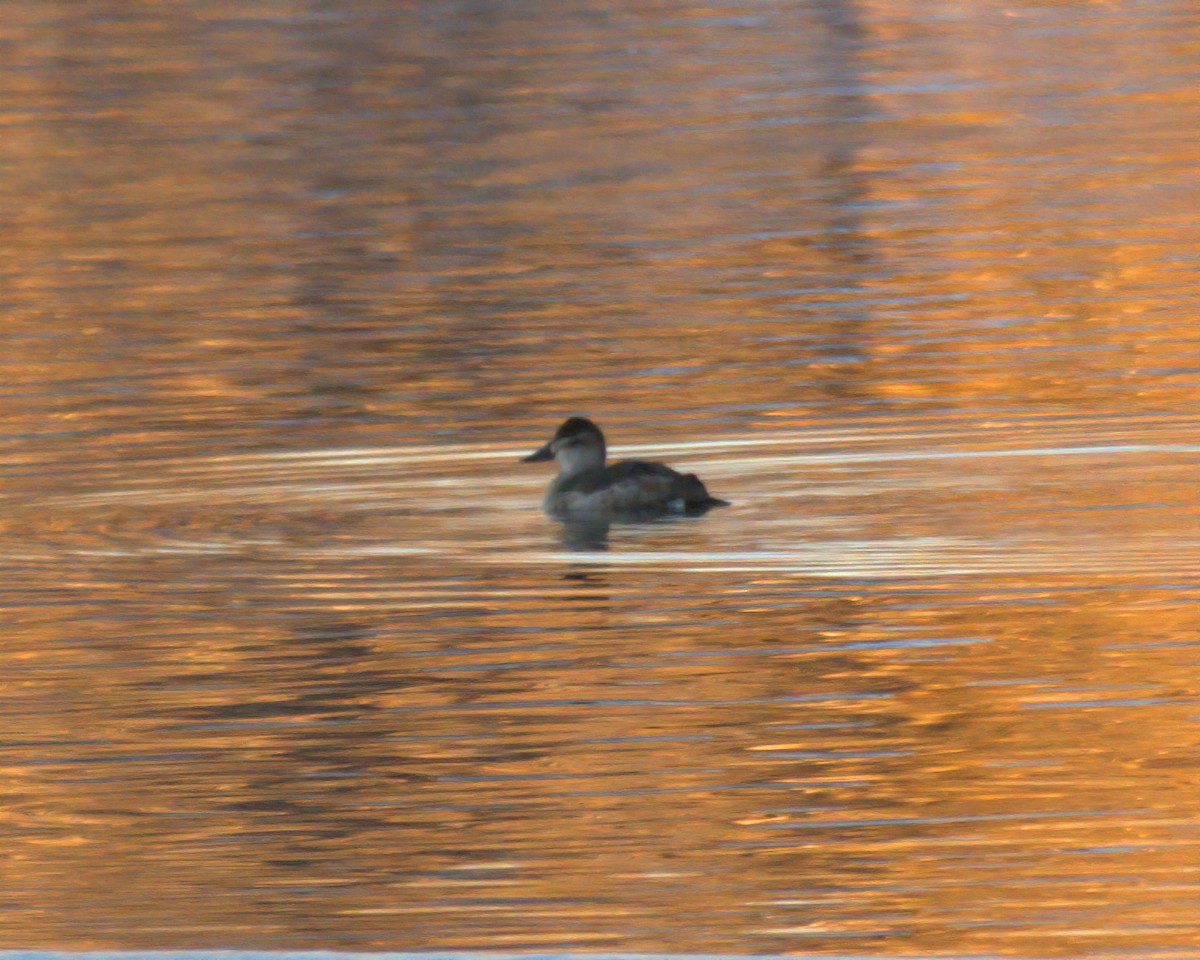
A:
(631, 489)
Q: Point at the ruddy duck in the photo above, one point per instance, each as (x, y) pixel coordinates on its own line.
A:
(631, 489)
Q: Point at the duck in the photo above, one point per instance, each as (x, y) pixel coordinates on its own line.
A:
(631, 489)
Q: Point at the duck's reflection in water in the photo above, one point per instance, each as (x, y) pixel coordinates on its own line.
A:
(584, 534)
(589, 531)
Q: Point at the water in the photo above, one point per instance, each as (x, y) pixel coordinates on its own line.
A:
(292, 660)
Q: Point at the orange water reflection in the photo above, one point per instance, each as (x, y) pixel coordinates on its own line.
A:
(292, 659)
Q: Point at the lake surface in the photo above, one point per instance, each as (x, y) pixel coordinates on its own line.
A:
(291, 659)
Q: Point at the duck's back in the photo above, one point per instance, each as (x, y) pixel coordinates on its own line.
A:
(633, 486)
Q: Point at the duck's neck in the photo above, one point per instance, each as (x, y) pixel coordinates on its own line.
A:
(576, 460)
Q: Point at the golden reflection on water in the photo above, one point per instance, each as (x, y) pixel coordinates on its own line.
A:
(292, 660)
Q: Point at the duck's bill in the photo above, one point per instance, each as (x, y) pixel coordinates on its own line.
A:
(545, 453)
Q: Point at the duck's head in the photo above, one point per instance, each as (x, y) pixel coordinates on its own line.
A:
(577, 445)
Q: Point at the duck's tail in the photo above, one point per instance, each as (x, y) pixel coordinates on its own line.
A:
(696, 495)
